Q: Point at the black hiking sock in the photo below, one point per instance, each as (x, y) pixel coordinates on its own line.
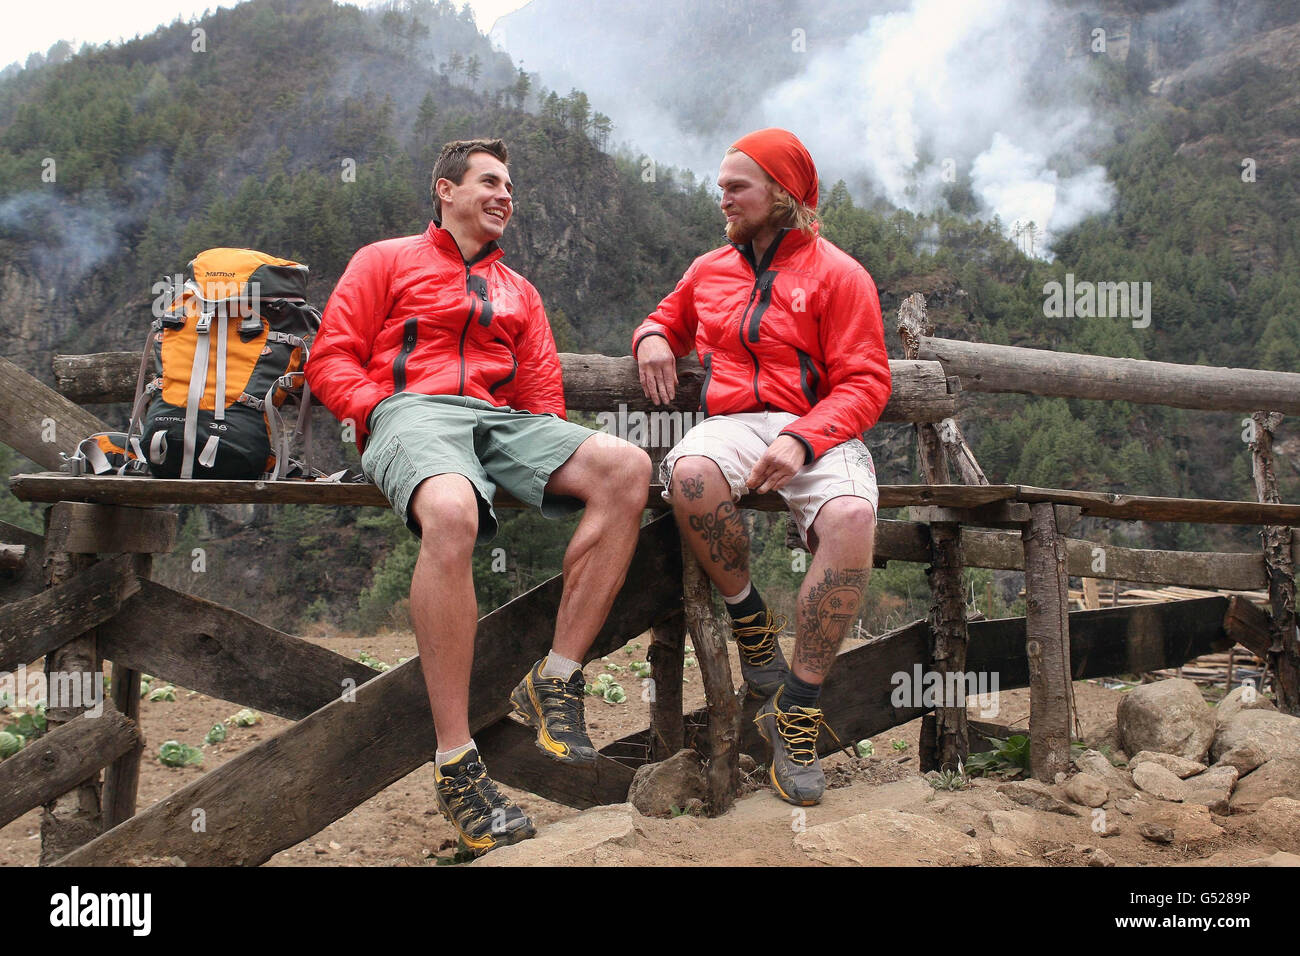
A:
(799, 693)
(744, 612)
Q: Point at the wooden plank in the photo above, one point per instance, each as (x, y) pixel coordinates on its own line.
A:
(512, 757)
(1047, 646)
(858, 696)
(592, 383)
(94, 529)
(1144, 508)
(55, 763)
(122, 776)
(31, 578)
(13, 558)
(100, 378)
(1284, 651)
(37, 421)
(1249, 626)
(37, 625)
(52, 486)
(346, 752)
(999, 513)
(219, 652)
(1004, 368)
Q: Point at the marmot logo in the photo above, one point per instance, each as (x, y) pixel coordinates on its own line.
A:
(227, 275)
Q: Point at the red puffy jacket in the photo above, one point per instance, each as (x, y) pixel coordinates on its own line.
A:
(799, 332)
(412, 315)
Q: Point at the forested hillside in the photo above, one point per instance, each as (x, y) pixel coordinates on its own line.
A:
(307, 128)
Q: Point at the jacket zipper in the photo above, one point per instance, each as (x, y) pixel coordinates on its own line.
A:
(410, 331)
(476, 301)
(763, 281)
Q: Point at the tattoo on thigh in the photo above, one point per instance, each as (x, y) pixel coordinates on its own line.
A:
(693, 487)
(725, 533)
(825, 614)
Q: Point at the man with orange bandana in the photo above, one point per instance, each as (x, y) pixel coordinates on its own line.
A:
(789, 332)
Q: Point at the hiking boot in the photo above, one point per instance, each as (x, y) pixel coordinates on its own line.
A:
(555, 705)
(762, 664)
(796, 772)
(484, 818)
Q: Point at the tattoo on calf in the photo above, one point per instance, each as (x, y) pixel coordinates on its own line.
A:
(825, 614)
(693, 488)
(725, 533)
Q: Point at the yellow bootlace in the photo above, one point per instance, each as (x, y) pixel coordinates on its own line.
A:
(763, 653)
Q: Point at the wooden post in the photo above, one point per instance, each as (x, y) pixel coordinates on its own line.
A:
(1284, 652)
(666, 654)
(122, 778)
(947, 600)
(715, 668)
(73, 819)
(1047, 633)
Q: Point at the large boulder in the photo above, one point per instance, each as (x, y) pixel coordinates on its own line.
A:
(887, 837)
(1279, 777)
(1094, 762)
(1189, 824)
(1158, 781)
(1243, 758)
(1181, 766)
(1168, 716)
(659, 787)
(1239, 699)
(1086, 790)
(1274, 734)
(1277, 822)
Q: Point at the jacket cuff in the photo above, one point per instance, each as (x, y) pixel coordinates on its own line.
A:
(808, 454)
(645, 335)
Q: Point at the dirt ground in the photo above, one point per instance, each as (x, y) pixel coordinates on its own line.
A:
(402, 827)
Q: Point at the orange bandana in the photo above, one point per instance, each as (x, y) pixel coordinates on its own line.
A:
(785, 159)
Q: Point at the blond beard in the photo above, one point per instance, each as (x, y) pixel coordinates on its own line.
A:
(742, 233)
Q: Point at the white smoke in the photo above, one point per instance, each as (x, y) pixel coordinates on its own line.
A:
(954, 87)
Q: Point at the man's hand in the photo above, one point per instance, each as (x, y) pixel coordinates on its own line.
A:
(657, 367)
(778, 465)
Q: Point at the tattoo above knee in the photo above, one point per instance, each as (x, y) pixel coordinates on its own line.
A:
(692, 487)
(825, 615)
(724, 531)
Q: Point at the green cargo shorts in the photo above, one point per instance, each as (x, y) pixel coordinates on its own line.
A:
(414, 437)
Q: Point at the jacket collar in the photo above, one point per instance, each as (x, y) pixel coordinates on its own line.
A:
(445, 243)
(786, 243)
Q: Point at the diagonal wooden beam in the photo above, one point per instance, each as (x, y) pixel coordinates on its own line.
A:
(37, 625)
(284, 790)
(37, 421)
(220, 652)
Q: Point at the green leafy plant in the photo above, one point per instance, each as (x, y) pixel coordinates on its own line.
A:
(1009, 758)
(372, 661)
(167, 692)
(173, 753)
(640, 668)
(899, 745)
(607, 689)
(10, 744)
(950, 779)
(864, 748)
(688, 661)
(245, 718)
(216, 734)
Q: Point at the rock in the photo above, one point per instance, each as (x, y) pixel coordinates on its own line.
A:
(1100, 858)
(1180, 766)
(1168, 716)
(571, 842)
(1211, 789)
(1279, 777)
(1274, 734)
(1278, 822)
(658, 787)
(1095, 763)
(1277, 859)
(1189, 824)
(747, 763)
(1245, 757)
(1086, 790)
(1007, 850)
(1236, 701)
(694, 807)
(1156, 833)
(1158, 781)
(1036, 795)
(969, 830)
(1129, 807)
(887, 837)
(1015, 824)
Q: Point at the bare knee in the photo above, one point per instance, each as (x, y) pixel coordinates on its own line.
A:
(695, 477)
(446, 508)
(846, 524)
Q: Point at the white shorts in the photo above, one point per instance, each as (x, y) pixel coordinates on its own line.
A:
(735, 443)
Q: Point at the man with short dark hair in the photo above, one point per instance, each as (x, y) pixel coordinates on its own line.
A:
(443, 360)
(789, 332)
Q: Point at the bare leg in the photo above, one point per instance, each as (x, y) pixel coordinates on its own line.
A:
(709, 522)
(832, 590)
(612, 478)
(444, 610)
